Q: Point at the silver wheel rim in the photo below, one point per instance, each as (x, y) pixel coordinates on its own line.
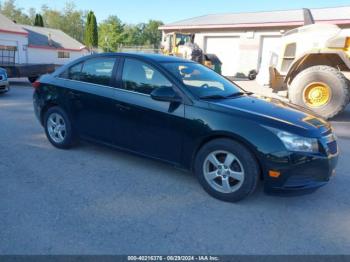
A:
(56, 127)
(223, 171)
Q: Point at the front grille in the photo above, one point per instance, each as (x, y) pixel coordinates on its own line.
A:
(332, 147)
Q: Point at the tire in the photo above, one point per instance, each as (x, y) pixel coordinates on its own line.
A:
(252, 75)
(334, 79)
(245, 164)
(67, 138)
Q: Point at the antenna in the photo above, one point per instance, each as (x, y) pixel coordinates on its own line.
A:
(308, 17)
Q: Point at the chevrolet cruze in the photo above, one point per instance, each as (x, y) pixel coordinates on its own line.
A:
(185, 114)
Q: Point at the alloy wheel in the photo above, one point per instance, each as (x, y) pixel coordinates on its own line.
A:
(56, 127)
(223, 171)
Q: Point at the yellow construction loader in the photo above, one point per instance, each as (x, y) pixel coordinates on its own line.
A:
(182, 45)
(312, 69)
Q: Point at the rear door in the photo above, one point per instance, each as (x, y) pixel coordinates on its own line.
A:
(90, 93)
(147, 126)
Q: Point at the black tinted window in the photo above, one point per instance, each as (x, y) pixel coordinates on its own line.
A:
(98, 70)
(73, 72)
(141, 77)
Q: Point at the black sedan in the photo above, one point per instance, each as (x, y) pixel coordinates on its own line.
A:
(185, 114)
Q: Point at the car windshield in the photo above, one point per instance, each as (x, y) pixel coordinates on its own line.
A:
(202, 81)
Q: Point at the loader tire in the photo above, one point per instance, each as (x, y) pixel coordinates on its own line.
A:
(322, 89)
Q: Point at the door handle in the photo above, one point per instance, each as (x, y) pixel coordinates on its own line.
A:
(122, 107)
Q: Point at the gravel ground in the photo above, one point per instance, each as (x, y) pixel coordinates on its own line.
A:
(94, 200)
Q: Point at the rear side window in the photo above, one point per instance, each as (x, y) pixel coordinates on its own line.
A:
(141, 77)
(98, 70)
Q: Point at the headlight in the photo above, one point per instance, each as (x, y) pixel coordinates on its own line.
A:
(296, 143)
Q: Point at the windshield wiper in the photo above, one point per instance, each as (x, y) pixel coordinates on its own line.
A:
(216, 96)
(213, 97)
(236, 94)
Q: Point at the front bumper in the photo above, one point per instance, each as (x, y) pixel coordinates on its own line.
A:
(300, 171)
(4, 86)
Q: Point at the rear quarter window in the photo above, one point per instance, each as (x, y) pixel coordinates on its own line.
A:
(73, 72)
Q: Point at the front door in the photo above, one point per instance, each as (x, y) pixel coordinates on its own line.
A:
(148, 127)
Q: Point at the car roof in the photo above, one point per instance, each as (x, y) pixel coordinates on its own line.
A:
(152, 57)
(155, 58)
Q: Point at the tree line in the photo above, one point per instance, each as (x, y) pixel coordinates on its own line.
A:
(108, 35)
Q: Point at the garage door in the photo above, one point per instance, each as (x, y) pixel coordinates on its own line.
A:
(226, 48)
(269, 51)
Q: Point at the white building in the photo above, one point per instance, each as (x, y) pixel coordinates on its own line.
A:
(245, 41)
(23, 44)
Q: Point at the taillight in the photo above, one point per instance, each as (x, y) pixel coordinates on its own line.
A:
(36, 84)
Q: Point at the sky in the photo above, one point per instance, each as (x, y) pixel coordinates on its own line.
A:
(136, 11)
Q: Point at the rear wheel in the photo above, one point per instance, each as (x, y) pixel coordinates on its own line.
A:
(323, 89)
(58, 128)
(227, 170)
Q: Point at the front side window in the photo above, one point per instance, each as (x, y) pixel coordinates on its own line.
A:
(202, 81)
(98, 70)
(141, 77)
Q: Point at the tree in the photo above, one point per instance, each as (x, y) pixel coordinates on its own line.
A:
(152, 34)
(69, 20)
(91, 31)
(110, 34)
(87, 30)
(39, 20)
(9, 9)
(133, 35)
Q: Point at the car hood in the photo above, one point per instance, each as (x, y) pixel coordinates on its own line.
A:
(274, 113)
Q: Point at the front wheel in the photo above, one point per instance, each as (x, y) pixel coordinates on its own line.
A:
(58, 128)
(227, 170)
(323, 89)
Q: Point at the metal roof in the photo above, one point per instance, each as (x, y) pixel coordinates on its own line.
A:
(41, 37)
(50, 38)
(338, 15)
(8, 26)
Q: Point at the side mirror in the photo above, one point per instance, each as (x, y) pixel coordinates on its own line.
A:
(165, 94)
